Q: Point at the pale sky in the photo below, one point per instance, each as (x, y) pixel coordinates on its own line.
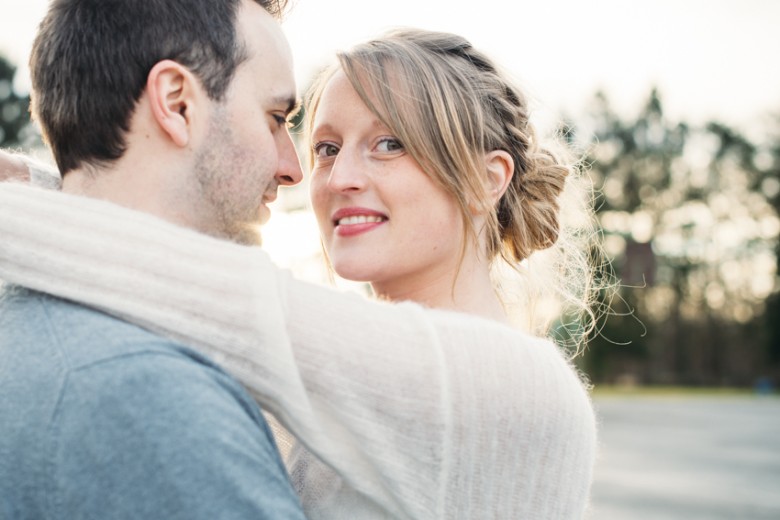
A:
(710, 58)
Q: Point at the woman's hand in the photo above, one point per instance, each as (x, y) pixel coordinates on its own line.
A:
(12, 168)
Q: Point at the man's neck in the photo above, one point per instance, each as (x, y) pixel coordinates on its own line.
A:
(135, 190)
(106, 184)
(167, 194)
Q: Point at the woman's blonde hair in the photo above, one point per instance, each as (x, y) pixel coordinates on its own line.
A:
(449, 105)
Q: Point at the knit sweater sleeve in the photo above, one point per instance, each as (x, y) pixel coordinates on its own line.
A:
(429, 414)
(38, 173)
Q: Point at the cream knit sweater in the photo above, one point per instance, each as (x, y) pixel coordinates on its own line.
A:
(418, 414)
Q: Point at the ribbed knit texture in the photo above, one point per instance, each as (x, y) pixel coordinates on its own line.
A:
(416, 413)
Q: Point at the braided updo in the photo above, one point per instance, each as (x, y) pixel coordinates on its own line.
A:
(450, 105)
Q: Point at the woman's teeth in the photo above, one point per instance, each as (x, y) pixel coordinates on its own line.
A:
(358, 219)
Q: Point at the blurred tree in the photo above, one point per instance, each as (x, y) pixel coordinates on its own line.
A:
(14, 109)
(768, 182)
(693, 237)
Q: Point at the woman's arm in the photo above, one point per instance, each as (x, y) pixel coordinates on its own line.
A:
(383, 393)
(229, 301)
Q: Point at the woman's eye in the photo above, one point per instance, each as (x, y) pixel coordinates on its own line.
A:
(326, 150)
(389, 144)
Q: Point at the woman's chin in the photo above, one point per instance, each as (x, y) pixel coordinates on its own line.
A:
(356, 272)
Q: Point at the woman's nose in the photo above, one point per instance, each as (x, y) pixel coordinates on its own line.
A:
(347, 174)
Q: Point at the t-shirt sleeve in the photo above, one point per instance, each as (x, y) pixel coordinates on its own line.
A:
(164, 436)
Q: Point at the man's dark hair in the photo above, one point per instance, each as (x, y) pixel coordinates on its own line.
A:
(91, 59)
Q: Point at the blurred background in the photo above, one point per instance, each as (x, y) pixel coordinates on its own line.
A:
(675, 106)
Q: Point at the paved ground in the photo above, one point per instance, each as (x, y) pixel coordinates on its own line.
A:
(691, 458)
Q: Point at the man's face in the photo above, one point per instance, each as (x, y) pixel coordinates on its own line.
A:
(248, 151)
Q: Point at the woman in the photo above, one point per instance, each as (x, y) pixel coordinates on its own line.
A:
(456, 137)
(424, 170)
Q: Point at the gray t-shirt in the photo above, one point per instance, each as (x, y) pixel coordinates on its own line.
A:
(102, 419)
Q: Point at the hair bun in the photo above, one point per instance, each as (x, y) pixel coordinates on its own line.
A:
(530, 220)
(542, 185)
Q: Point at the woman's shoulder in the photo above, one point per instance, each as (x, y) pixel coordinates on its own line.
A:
(505, 361)
(480, 331)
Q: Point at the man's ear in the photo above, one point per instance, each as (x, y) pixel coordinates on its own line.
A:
(500, 169)
(172, 91)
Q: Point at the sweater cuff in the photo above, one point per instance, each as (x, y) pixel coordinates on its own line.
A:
(42, 175)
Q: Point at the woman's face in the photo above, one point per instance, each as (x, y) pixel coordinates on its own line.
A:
(382, 219)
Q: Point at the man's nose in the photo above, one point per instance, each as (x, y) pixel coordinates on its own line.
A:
(289, 171)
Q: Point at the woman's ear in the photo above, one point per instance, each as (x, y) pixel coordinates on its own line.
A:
(172, 89)
(500, 169)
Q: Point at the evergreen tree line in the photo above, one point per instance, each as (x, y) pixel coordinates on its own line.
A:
(689, 219)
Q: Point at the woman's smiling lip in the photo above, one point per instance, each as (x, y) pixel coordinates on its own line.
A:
(355, 220)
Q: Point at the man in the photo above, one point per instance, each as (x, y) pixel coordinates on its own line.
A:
(177, 108)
